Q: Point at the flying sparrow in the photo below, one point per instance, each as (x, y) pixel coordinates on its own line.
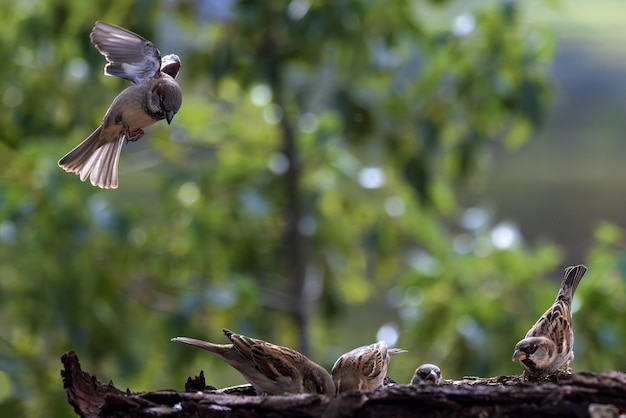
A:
(427, 374)
(270, 368)
(363, 368)
(154, 96)
(549, 345)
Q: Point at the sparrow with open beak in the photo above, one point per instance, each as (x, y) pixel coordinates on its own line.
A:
(549, 345)
(427, 374)
(363, 368)
(270, 368)
(154, 96)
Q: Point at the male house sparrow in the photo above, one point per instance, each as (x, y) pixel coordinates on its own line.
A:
(270, 368)
(363, 368)
(154, 96)
(427, 374)
(549, 344)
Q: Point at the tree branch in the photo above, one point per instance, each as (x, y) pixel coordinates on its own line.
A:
(580, 395)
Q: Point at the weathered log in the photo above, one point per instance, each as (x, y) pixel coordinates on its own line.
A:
(579, 395)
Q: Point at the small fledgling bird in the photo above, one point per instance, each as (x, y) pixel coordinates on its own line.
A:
(270, 368)
(363, 368)
(427, 374)
(549, 345)
(154, 96)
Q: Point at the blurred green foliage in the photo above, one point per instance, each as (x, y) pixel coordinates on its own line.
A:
(392, 105)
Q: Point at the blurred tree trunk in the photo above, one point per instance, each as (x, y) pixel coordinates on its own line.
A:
(294, 241)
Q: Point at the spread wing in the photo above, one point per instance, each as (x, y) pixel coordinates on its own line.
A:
(130, 56)
(170, 65)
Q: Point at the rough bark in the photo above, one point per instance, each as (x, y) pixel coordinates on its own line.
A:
(578, 395)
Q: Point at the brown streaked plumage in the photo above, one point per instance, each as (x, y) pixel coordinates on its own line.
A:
(363, 368)
(154, 96)
(427, 374)
(549, 344)
(270, 368)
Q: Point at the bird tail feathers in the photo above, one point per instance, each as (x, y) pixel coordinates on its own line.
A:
(571, 278)
(96, 157)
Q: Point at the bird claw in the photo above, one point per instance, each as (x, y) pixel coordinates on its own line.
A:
(133, 136)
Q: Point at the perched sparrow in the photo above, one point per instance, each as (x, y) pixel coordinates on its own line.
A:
(549, 344)
(427, 374)
(154, 96)
(270, 368)
(363, 368)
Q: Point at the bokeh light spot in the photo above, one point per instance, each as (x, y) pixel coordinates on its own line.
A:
(388, 333)
(278, 163)
(463, 244)
(297, 9)
(423, 262)
(78, 68)
(371, 177)
(463, 24)
(8, 232)
(188, 193)
(260, 95)
(394, 206)
(473, 218)
(272, 114)
(505, 235)
(308, 123)
(12, 96)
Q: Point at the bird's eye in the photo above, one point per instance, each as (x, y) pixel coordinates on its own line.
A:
(531, 349)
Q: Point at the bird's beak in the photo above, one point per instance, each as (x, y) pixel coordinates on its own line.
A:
(169, 116)
(519, 355)
(432, 377)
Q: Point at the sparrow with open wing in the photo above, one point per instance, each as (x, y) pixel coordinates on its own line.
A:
(154, 96)
(363, 368)
(270, 368)
(549, 345)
